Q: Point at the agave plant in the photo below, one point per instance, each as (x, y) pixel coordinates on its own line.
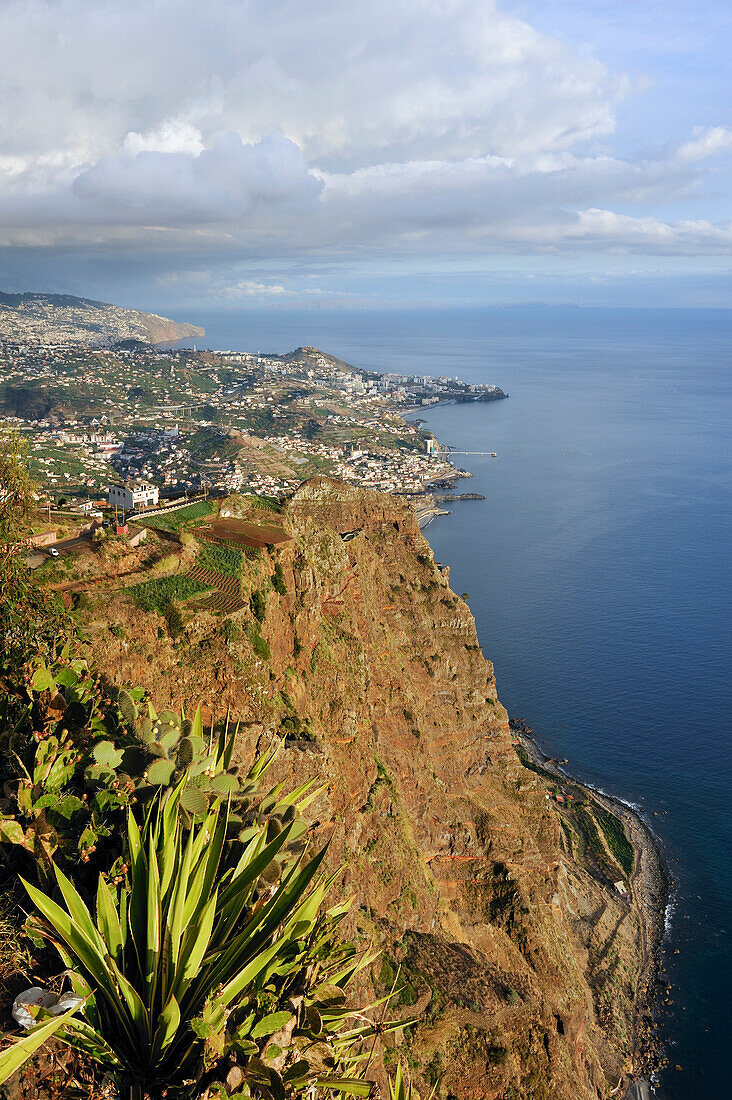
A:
(209, 948)
(401, 1088)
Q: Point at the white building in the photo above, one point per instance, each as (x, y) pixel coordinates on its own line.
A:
(133, 494)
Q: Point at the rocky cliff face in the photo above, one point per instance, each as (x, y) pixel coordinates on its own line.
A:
(520, 965)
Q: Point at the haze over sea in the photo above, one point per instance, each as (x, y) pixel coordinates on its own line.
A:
(598, 572)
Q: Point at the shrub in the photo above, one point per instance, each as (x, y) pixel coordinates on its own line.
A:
(278, 580)
(258, 605)
(173, 619)
(230, 631)
(259, 644)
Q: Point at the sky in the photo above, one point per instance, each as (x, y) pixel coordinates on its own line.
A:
(176, 156)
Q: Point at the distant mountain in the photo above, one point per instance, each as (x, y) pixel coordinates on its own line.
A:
(64, 319)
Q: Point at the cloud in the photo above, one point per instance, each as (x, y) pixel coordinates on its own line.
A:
(264, 198)
(706, 143)
(349, 82)
(225, 182)
(283, 130)
(250, 289)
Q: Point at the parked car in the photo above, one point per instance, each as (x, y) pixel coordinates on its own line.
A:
(53, 552)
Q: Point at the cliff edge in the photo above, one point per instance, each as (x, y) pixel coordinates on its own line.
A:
(496, 907)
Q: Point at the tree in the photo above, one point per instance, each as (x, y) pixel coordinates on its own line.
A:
(33, 624)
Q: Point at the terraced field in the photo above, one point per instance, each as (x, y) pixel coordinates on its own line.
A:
(223, 602)
(226, 596)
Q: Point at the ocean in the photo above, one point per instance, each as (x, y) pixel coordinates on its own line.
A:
(598, 572)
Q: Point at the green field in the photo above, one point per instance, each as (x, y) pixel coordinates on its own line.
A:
(220, 559)
(617, 841)
(178, 517)
(155, 595)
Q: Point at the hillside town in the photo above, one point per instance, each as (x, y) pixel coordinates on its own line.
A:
(199, 422)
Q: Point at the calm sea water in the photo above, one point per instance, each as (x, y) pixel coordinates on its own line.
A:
(598, 572)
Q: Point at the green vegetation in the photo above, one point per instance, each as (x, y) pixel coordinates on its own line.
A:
(173, 619)
(189, 964)
(208, 443)
(156, 595)
(259, 644)
(586, 826)
(585, 819)
(258, 605)
(178, 517)
(265, 503)
(617, 841)
(278, 580)
(531, 766)
(220, 559)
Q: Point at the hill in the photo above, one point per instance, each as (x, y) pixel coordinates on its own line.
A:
(64, 319)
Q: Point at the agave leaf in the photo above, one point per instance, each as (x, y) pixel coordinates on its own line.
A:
(195, 943)
(351, 1086)
(152, 943)
(248, 973)
(260, 766)
(174, 913)
(14, 1056)
(79, 912)
(108, 921)
(168, 1024)
(235, 895)
(87, 953)
(81, 1035)
(259, 931)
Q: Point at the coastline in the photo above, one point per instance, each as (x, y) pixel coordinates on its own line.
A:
(650, 886)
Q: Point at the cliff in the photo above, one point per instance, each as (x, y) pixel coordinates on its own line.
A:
(62, 318)
(500, 925)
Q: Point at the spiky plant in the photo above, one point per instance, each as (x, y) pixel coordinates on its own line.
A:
(208, 948)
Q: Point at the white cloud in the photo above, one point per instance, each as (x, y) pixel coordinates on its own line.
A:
(278, 128)
(171, 137)
(349, 82)
(706, 143)
(225, 182)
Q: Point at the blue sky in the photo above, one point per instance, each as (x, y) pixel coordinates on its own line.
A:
(334, 154)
